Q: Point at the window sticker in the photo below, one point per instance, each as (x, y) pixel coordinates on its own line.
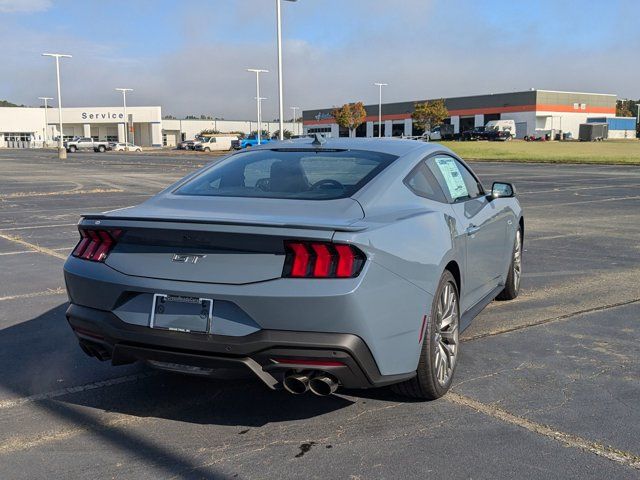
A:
(452, 177)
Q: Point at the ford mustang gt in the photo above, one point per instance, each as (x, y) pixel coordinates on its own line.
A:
(313, 263)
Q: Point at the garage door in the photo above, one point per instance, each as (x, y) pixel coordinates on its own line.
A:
(521, 129)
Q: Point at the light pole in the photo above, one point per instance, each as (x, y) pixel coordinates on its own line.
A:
(280, 100)
(258, 71)
(46, 119)
(637, 117)
(62, 153)
(294, 118)
(380, 85)
(126, 119)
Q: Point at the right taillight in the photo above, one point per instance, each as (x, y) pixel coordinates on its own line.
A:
(322, 260)
(95, 244)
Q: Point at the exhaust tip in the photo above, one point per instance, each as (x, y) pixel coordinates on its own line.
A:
(296, 383)
(323, 385)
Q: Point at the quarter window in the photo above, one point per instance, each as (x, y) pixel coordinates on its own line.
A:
(423, 183)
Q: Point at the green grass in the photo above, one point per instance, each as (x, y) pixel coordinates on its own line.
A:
(626, 152)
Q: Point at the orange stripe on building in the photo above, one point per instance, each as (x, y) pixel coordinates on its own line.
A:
(485, 111)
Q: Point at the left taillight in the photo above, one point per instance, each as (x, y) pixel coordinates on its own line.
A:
(322, 260)
(95, 244)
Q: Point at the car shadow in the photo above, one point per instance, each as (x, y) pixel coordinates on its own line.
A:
(41, 356)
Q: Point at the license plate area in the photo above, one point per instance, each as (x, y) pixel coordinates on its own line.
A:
(181, 314)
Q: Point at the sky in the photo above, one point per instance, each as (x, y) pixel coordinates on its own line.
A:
(191, 56)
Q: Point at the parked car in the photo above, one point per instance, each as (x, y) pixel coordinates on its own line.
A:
(85, 143)
(189, 144)
(441, 132)
(500, 130)
(215, 143)
(298, 262)
(126, 147)
(248, 142)
(477, 133)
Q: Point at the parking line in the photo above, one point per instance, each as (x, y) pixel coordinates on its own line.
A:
(549, 320)
(625, 458)
(44, 293)
(63, 192)
(6, 404)
(10, 229)
(31, 246)
(19, 252)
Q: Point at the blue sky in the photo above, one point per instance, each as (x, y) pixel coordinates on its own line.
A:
(190, 56)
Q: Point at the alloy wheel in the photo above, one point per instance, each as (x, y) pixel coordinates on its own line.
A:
(446, 335)
(517, 261)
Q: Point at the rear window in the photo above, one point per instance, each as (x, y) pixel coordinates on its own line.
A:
(303, 175)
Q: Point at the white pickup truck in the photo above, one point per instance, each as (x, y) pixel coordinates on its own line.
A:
(86, 143)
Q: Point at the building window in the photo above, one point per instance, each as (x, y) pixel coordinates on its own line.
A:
(318, 130)
(112, 138)
(583, 106)
(576, 106)
(17, 136)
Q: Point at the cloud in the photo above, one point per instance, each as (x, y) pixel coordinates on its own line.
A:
(333, 53)
(24, 6)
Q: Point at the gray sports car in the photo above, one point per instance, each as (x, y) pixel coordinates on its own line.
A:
(314, 263)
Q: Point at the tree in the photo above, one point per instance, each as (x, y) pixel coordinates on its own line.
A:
(628, 108)
(209, 131)
(286, 134)
(351, 116)
(430, 113)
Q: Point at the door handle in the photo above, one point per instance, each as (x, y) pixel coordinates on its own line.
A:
(472, 229)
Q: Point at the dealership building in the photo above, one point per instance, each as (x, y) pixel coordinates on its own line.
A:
(33, 127)
(534, 111)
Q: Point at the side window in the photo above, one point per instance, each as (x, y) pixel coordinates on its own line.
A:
(456, 180)
(424, 184)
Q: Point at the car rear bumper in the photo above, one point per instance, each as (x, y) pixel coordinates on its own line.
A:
(267, 353)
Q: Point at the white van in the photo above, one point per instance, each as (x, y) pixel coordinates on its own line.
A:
(215, 143)
(502, 127)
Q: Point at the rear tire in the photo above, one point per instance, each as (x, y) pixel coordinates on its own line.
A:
(512, 285)
(439, 353)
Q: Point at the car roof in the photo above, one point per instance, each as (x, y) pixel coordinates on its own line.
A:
(392, 146)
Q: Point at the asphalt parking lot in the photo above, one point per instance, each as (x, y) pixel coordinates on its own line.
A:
(548, 385)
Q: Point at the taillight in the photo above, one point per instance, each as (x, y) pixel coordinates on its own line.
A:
(95, 245)
(322, 260)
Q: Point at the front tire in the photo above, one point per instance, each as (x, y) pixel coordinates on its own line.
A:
(439, 353)
(512, 286)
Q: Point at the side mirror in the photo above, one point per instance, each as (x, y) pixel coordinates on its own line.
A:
(502, 190)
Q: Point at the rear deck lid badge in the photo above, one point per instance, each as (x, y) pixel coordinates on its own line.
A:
(184, 258)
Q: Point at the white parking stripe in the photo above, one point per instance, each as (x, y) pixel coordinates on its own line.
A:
(38, 226)
(64, 192)
(625, 458)
(44, 293)
(31, 246)
(5, 404)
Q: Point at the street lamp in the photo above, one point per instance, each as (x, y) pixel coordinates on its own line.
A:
(280, 100)
(126, 119)
(46, 119)
(258, 71)
(380, 85)
(637, 117)
(294, 118)
(62, 153)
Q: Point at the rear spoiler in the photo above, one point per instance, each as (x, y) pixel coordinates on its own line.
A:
(97, 219)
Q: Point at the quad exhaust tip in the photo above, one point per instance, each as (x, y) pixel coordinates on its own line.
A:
(320, 384)
(323, 385)
(296, 383)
